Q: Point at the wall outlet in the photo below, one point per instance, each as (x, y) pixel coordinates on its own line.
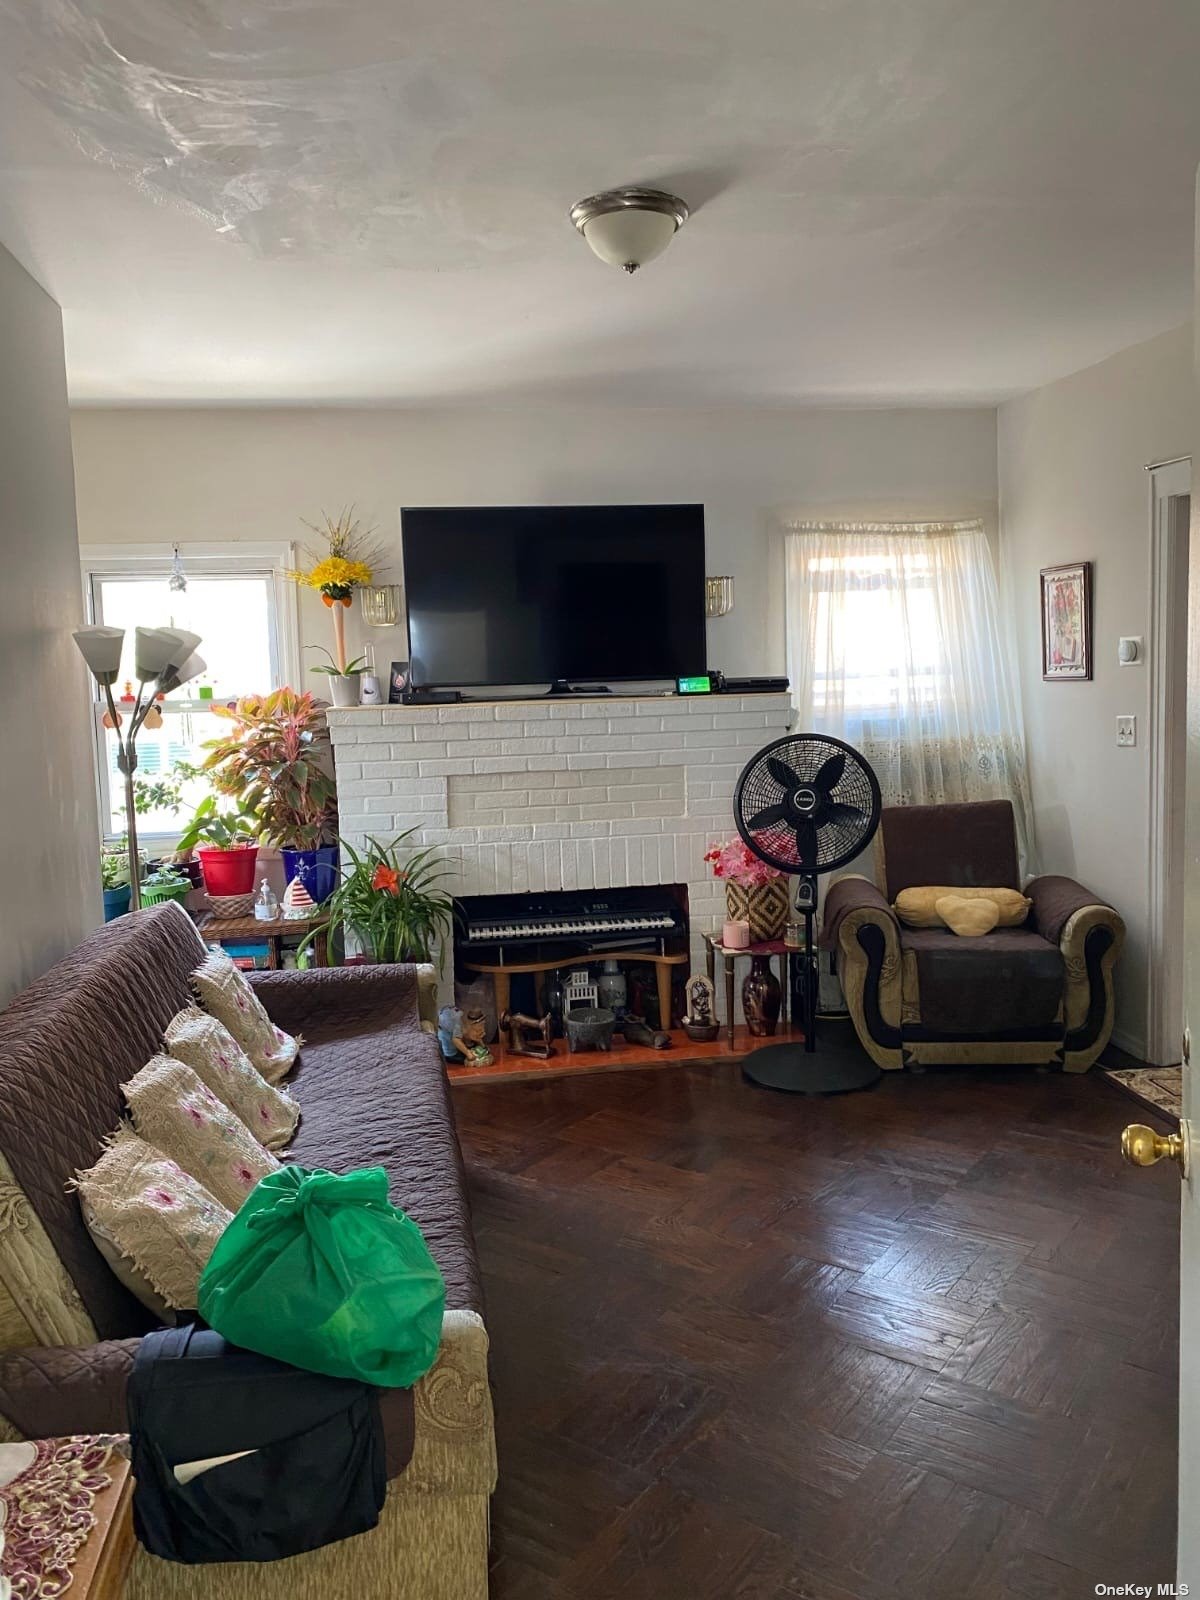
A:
(1127, 731)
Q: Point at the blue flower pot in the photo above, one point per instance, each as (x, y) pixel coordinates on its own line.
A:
(116, 902)
(318, 869)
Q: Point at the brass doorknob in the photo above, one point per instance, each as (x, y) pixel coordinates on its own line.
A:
(1143, 1147)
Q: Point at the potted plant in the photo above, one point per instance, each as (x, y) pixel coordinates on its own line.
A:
(754, 892)
(343, 681)
(229, 852)
(389, 902)
(277, 763)
(114, 883)
(165, 883)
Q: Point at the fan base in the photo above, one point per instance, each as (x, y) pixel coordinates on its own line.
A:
(834, 1067)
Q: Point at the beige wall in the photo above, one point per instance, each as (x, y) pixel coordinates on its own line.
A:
(1073, 487)
(162, 475)
(49, 881)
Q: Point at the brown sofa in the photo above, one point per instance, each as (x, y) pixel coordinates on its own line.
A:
(1040, 993)
(372, 1091)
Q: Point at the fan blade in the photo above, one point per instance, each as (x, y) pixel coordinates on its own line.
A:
(806, 843)
(830, 774)
(839, 811)
(786, 777)
(766, 818)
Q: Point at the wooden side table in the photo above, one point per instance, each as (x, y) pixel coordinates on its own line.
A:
(771, 947)
(217, 928)
(104, 1561)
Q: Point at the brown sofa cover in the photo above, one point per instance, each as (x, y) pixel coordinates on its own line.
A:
(372, 1090)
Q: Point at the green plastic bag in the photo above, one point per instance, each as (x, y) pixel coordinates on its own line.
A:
(325, 1273)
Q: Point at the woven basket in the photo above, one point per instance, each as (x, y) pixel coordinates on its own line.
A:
(764, 906)
(231, 905)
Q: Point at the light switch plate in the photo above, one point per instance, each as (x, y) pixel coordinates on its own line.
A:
(1126, 731)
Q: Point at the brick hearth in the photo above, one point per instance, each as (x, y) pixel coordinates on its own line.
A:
(533, 795)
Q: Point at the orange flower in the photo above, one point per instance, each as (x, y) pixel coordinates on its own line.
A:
(385, 877)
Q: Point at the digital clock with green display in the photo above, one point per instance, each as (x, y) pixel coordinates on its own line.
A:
(701, 685)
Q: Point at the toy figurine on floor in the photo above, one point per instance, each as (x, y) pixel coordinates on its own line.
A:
(462, 1039)
(528, 1036)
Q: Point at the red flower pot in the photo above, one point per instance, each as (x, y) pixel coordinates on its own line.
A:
(228, 871)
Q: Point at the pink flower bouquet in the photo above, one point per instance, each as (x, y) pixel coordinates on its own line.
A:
(736, 862)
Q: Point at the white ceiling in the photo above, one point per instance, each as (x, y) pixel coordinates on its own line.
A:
(297, 201)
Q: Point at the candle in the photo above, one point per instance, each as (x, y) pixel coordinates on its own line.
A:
(736, 935)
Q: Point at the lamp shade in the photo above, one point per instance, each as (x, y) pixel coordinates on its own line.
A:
(186, 644)
(174, 676)
(153, 650)
(100, 647)
(628, 227)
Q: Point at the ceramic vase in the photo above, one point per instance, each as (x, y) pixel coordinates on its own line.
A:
(761, 998)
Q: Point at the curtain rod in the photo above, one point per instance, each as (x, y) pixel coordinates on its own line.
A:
(1175, 461)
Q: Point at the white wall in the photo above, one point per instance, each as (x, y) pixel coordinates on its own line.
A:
(50, 882)
(1073, 488)
(162, 475)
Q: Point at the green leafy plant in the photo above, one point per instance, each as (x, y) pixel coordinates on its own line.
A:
(114, 869)
(225, 830)
(276, 764)
(333, 670)
(166, 877)
(390, 901)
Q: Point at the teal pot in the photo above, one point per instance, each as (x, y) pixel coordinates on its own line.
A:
(116, 902)
(318, 869)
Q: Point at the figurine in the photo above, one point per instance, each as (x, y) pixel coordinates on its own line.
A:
(637, 1031)
(462, 1040)
(297, 902)
(474, 1037)
(700, 1024)
(527, 1036)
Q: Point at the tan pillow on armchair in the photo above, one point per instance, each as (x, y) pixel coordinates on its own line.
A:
(223, 992)
(179, 1115)
(917, 908)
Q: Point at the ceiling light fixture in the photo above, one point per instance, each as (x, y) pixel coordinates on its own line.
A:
(628, 227)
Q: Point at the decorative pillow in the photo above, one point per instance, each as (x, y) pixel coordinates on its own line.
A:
(124, 1269)
(214, 1055)
(223, 992)
(917, 908)
(163, 1222)
(176, 1113)
(970, 919)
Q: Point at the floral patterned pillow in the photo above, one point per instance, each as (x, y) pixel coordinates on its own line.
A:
(160, 1220)
(183, 1118)
(214, 1055)
(224, 993)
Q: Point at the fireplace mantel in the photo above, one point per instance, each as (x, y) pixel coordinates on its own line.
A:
(525, 796)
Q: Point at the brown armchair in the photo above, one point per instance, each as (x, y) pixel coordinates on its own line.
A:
(1039, 993)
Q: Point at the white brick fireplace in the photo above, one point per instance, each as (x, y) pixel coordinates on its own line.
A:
(528, 796)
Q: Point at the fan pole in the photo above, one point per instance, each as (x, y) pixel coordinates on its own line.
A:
(810, 987)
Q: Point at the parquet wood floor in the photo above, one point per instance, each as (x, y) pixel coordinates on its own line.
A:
(917, 1343)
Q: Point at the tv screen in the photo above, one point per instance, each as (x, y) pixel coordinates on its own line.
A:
(538, 594)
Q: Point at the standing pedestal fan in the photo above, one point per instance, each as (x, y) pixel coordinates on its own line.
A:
(807, 804)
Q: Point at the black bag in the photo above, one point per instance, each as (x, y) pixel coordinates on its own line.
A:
(316, 1471)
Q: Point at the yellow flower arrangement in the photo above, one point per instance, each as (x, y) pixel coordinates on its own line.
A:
(335, 577)
(348, 566)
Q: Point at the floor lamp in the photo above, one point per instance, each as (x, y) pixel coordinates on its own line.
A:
(164, 658)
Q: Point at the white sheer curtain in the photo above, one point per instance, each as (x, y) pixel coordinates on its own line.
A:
(895, 644)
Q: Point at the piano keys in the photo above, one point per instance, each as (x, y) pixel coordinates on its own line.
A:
(585, 919)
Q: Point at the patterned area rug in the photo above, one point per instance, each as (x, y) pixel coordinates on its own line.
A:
(1161, 1088)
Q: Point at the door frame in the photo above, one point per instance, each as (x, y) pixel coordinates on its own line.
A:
(1166, 645)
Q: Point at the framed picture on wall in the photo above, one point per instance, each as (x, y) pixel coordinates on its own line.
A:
(1067, 622)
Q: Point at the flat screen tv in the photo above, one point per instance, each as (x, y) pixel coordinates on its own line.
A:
(553, 594)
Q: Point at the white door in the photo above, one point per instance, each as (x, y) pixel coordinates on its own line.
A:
(1189, 1294)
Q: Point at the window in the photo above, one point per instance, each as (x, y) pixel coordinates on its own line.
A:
(244, 610)
(895, 644)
